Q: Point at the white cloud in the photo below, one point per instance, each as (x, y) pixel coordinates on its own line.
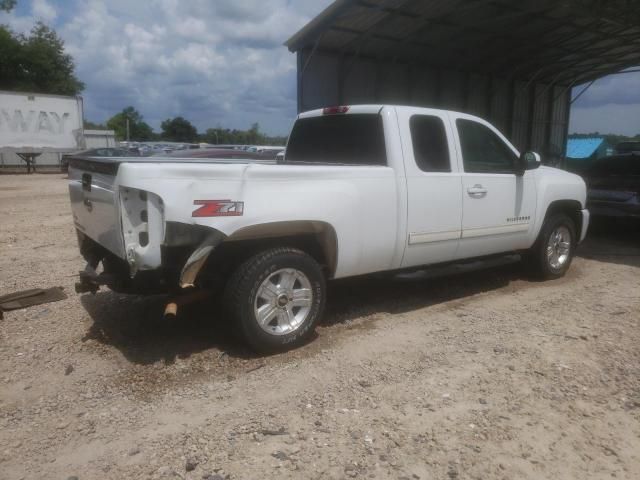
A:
(215, 63)
(610, 118)
(222, 62)
(622, 89)
(610, 105)
(43, 10)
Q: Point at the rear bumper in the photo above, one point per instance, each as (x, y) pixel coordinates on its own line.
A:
(585, 224)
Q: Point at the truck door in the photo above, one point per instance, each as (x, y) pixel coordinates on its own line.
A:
(434, 192)
(498, 206)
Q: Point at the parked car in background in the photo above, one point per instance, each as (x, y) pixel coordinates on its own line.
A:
(628, 147)
(94, 152)
(613, 187)
(260, 149)
(222, 153)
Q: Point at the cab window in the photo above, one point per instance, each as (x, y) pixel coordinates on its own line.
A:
(430, 147)
(354, 139)
(482, 150)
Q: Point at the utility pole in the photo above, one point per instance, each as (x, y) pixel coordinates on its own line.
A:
(128, 137)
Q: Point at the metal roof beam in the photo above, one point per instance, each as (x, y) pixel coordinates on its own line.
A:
(566, 21)
(540, 55)
(312, 31)
(585, 60)
(443, 20)
(364, 36)
(552, 45)
(599, 73)
(524, 47)
(598, 52)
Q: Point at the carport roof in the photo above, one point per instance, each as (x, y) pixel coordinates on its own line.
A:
(565, 42)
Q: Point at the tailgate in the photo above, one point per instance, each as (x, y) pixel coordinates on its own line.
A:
(95, 204)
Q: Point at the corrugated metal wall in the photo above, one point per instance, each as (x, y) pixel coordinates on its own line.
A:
(534, 116)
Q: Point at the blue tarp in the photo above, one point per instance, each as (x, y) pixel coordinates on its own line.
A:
(583, 147)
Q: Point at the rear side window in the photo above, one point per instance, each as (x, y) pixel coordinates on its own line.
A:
(482, 150)
(356, 139)
(430, 147)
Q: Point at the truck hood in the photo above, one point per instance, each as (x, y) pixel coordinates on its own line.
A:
(565, 185)
(558, 173)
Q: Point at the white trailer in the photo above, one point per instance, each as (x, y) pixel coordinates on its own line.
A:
(34, 125)
(100, 139)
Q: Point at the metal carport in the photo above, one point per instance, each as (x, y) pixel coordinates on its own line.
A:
(513, 62)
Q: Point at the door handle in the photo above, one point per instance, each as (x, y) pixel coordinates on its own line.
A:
(477, 191)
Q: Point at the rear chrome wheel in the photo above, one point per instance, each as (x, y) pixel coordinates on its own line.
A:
(283, 301)
(276, 299)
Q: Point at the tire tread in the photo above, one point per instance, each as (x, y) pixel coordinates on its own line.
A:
(236, 289)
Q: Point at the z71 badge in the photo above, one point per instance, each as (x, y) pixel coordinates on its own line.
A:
(218, 208)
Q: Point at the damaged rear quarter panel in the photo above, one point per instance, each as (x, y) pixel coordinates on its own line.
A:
(358, 202)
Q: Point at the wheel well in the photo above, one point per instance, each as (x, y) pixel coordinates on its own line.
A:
(572, 208)
(317, 239)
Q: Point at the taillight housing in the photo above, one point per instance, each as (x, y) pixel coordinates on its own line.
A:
(335, 110)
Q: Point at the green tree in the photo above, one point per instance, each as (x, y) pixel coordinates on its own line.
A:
(178, 129)
(252, 136)
(139, 130)
(7, 5)
(88, 125)
(36, 63)
(10, 51)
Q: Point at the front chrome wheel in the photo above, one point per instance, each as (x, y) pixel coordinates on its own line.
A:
(283, 301)
(559, 247)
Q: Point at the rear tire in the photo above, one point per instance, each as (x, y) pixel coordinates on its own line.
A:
(276, 299)
(551, 255)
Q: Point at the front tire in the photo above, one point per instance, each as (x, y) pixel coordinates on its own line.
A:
(276, 299)
(551, 255)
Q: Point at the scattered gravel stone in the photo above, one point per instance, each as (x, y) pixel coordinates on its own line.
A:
(164, 471)
(280, 455)
(190, 465)
(269, 431)
(165, 388)
(350, 471)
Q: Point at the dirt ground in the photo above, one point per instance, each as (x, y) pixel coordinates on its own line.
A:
(459, 374)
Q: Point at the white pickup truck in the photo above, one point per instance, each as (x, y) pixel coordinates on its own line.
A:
(361, 189)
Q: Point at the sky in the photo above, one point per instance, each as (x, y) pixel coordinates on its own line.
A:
(222, 62)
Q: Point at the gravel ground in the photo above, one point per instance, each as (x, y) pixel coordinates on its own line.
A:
(460, 374)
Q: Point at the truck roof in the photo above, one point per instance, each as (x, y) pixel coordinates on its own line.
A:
(368, 108)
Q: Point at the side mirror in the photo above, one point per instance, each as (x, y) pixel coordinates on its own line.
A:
(527, 161)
